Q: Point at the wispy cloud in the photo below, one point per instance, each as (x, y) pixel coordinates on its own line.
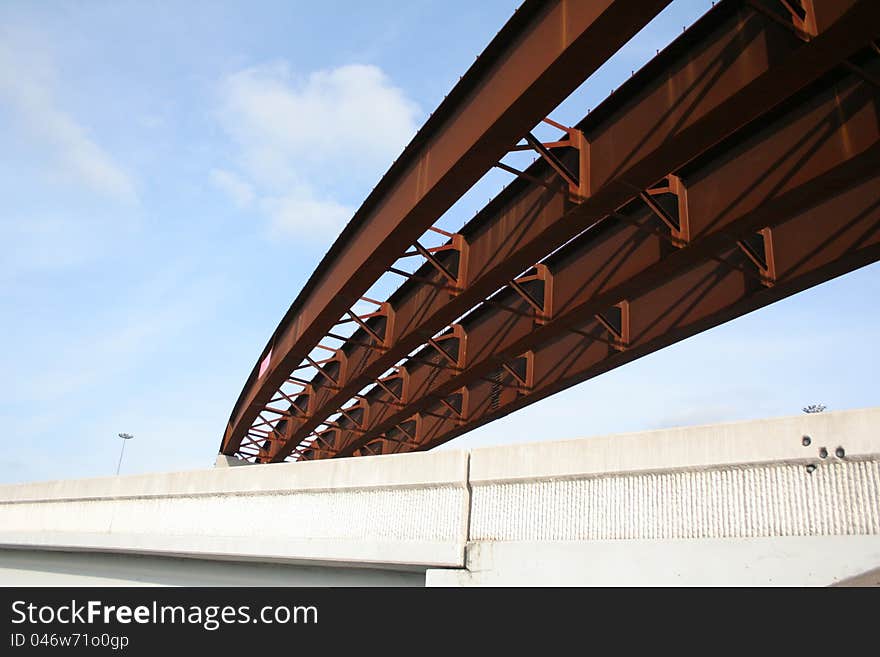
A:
(28, 86)
(304, 143)
(298, 213)
(238, 190)
(42, 243)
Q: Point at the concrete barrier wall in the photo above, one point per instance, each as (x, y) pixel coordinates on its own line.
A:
(746, 481)
(380, 510)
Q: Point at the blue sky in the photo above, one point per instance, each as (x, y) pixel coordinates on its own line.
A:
(171, 173)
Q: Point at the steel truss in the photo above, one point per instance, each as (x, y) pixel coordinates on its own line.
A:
(736, 168)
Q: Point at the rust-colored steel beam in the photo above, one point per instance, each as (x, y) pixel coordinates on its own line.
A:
(817, 148)
(537, 59)
(831, 239)
(732, 67)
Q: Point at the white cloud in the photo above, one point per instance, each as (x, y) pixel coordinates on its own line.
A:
(237, 189)
(28, 87)
(299, 214)
(309, 146)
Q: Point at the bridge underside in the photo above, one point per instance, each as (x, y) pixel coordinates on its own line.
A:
(738, 167)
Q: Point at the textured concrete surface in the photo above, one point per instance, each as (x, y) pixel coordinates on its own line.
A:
(380, 510)
(744, 479)
(746, 497)
(762, 500)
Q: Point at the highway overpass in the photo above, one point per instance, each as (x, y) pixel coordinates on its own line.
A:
(792, 501)
(736, 168)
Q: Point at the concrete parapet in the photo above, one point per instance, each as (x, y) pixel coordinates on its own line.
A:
(807, 475)
(377, 510)
(772, 491)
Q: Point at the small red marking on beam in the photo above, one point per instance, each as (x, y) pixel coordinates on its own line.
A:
(264, 365)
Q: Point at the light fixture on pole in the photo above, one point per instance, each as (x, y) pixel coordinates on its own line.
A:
(125, 437)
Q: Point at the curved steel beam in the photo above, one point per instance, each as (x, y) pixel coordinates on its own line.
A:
(831, 239)
(537, 59)
(729, 69)
(816, 149)
(732, 66)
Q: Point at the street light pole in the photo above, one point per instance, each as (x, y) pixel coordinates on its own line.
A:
(125, 437)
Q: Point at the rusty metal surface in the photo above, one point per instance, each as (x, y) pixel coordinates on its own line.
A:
(808, 154)
(537, 59)
(833, 239)
(744, 125)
